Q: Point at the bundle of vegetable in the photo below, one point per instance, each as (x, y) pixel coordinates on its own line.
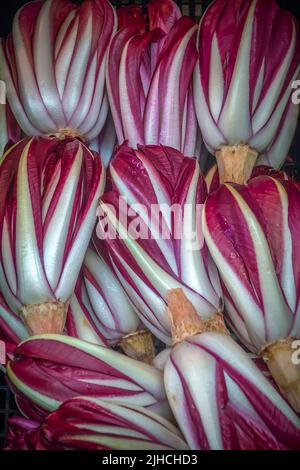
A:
(10, 132)
(49, 369)
(222, 401)
(253, 235)
(150, 223)
(243, 84)
(49, 194)
(149, 80)
(92, 424)
(101, 304)
(53, 65)
(213, 181)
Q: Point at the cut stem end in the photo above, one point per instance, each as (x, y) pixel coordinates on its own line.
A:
(235, 163)
(48, 317)
(139, 346)
(285, 371)
(185, 320)
(64, 132)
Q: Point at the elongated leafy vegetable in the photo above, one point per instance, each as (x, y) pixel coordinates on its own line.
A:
(213, 181)
(277, 152)
(222, 401)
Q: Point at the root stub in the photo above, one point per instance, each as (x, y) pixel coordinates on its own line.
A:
(185, 320)
(48, 317)
(139, 345)
(65, 132)
(235, 163)
(283, 362)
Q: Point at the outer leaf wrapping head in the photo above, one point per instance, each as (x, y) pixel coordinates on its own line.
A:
(277, 153)
(242, 84)
(222, 401)
(149, 81)
(80, 322)
(213, 181)
(21, 434)
(163, 14)
(49, 369)
(10, 132)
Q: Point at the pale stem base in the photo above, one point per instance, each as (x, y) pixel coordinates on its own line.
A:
(185, 320)
(48, 317)
(139, 345)
(286, 373)
(235, 163)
